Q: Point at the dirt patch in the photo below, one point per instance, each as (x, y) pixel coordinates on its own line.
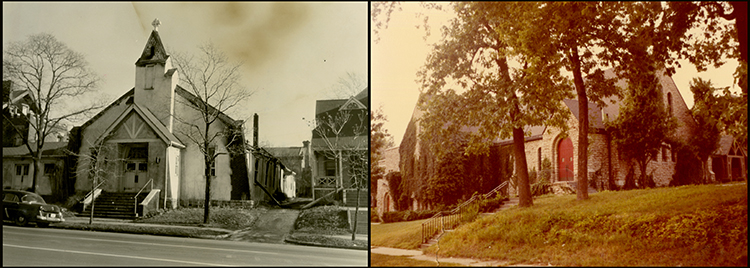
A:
(270, 227)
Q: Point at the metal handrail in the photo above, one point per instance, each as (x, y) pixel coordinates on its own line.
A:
(135, 198)
(91, 193)
(438, 221)
(92, 190)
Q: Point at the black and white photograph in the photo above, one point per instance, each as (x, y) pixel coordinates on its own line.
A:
(185, 134)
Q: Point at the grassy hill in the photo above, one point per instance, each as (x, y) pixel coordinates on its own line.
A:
(682, 226)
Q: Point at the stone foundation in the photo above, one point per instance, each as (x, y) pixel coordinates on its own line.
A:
(217, 203)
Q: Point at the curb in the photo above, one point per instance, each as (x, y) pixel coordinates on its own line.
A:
(102, 228)
(303, 243)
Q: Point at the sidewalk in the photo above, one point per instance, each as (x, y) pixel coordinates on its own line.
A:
(418, 255)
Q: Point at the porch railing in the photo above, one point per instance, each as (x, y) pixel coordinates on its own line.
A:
(450, 219)
(150, 182)
(325, 182)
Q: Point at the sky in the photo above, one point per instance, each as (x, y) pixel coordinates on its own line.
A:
(293, 53)
(402, 50)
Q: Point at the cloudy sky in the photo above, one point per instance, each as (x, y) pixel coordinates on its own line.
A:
(402, 50)
(293, 53)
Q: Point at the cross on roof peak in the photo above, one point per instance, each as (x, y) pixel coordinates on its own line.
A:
(156, 24)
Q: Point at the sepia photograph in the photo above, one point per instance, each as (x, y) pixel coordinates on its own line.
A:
(559, 133)
(186, 134)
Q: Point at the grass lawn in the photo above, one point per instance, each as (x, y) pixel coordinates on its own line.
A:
(406, 235)
(379, 260)
(702, 225)
(226, 218)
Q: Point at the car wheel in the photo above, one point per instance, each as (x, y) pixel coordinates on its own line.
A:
(21, 220)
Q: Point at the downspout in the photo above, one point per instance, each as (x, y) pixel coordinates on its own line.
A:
(166, 177)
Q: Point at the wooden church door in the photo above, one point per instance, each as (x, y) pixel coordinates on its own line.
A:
(565, 160)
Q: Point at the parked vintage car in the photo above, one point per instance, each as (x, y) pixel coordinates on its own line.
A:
(24, 207)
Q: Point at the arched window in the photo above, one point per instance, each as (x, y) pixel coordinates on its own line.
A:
(669, 103)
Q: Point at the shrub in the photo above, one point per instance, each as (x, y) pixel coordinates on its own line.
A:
(542, 186)
(324, 217)
(374, 215)
(407, 215)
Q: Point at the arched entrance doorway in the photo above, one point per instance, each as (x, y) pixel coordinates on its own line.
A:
(565, 160)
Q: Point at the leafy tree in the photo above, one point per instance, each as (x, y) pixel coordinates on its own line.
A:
(475, 57)
(707, 111)
(643, 123)
(721, 39)
(55, 77)
(215, 83)
(380, 140)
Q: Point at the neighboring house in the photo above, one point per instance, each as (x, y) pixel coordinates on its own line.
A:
(18, 169)
(561, 148)
(19, 113)
(268, 176)
(384, 199)
(295, 160)
(19, 109)
(329, 173)
(143, 132)
(729, 161)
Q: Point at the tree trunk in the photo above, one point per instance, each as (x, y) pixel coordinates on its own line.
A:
(582, 192)
(207, 175)
(37, 162)
(356, 215)
(642, 181)
(524, 190)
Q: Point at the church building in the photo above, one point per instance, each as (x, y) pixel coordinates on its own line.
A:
(142, 151)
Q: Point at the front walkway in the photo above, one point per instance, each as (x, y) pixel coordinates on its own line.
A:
(418, 255)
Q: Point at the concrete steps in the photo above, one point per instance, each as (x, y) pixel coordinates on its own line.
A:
(506, 205)
(114, 205)
(434, 240)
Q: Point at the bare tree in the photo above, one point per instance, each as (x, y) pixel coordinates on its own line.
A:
(102, 160)
(215, 83)
(345, 137)
(348, 85)
(55, 76)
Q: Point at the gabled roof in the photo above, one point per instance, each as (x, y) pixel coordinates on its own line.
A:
(49, 149)
(536, 134)
(725, 146)
(323, 106)
(595, 112)
(153, 52)
(352, 104)
(151, 120)
(119, 100)
(13, 95)
(284, 151)
(191, 97)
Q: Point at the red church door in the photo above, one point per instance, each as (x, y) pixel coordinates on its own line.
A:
(565, 160)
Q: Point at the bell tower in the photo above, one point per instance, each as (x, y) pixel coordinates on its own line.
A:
(156, 79)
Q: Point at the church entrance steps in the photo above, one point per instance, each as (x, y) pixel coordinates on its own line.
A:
(114, 205)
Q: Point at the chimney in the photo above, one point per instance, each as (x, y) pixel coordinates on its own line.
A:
(305, 154)
(255, 130)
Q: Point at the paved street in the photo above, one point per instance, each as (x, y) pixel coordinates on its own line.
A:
(54, 247)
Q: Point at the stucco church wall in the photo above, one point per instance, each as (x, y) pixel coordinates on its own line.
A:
(88, 137)
(193, 185)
